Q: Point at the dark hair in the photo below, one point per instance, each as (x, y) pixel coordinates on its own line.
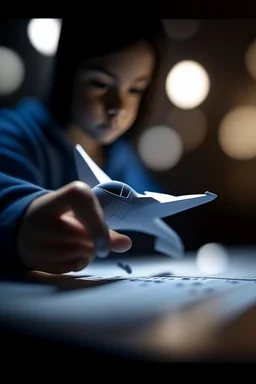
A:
(79, 41)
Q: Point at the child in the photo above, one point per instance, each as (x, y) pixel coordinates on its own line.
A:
(49, 221)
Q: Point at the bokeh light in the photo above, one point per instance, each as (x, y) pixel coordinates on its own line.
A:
(12, 71)
(181, 29)
(237, 133)
(187, 84)
(241, 187)
(44, 35)
(191, 125)
(212, 258)
(250, 59)
(160, 148)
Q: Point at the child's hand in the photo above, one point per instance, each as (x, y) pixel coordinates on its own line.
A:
(62, 231)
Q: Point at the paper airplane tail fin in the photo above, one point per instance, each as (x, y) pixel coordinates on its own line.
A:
(88, 171)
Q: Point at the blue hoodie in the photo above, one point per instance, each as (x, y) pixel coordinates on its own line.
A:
(36, 158)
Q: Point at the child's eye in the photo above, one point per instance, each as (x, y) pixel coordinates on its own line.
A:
(98, 84)
(137, 91)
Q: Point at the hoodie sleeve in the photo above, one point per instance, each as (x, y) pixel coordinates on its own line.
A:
(19, 180)
(15, 197)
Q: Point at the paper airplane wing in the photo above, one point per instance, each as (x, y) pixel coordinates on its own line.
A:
(161, 197)
(170, 205)
(88, 171)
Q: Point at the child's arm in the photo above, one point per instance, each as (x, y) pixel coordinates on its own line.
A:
(19, 184)
(15, 196)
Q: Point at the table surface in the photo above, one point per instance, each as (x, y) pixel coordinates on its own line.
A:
(165, 309)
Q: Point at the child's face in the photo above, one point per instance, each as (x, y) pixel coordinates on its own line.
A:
(108, 91)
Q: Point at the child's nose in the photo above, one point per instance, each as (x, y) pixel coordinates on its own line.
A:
(114, 104)
(114, 112)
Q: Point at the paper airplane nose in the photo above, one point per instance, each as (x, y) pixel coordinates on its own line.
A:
(213, 195)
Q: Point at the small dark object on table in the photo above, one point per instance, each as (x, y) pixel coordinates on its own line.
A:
(164, 274)
(126, 267)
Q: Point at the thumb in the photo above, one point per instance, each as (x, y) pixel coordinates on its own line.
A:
(118, 242)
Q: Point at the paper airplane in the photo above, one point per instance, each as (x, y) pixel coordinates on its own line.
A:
(127, 210)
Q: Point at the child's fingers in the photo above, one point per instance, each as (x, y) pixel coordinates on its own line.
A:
(58, 240)
(79, 198)
(55, 252)
(63, 227)
(62, 259)
(67, 231)
(118, 242)
(74, 265)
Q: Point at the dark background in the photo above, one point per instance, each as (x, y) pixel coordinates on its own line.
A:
(220, 46)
